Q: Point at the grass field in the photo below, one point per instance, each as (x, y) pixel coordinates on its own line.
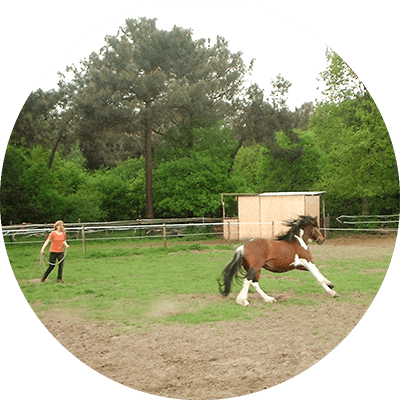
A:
(152, 318)
(142, 284)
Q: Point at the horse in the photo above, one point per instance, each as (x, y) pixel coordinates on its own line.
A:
(284, 253)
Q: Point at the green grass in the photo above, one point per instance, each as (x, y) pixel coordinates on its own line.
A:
(138, 285)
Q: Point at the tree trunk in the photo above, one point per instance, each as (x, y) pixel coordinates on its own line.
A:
(235, 152)
(53, 152)
(149, 167)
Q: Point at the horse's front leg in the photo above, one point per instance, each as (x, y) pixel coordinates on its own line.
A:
(327, 285)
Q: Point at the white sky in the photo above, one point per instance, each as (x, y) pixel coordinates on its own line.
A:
(277, 44)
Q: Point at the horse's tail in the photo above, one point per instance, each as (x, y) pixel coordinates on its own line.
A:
(230, 271)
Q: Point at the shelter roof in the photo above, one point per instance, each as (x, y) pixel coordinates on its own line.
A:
(291, 193)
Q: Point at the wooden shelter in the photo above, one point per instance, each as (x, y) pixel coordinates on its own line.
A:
(263, 215)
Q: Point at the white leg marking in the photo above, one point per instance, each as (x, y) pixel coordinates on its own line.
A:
(266, 298)
(316, 273)
(242, 296)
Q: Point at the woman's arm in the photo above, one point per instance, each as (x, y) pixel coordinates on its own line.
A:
(45, 245)
(65, 244)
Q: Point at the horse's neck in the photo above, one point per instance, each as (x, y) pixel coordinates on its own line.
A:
(302, 238)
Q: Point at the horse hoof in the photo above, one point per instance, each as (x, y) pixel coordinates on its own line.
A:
(334, 294)
(243, 303)
(271, 300)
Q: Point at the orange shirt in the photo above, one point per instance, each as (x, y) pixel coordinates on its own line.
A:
(57, 242)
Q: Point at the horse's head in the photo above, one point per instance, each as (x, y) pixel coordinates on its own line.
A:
(316, 234)
(313, 232)
(306, 226)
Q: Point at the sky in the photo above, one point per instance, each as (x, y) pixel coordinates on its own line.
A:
(278, 45)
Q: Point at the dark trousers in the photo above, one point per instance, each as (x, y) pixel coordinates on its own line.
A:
(52, 263)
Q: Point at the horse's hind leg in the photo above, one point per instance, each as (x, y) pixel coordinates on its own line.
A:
(252, 278)
(255, 284)
(266, 298)
(241, 299)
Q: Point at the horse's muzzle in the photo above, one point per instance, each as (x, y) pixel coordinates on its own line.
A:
(320, 240)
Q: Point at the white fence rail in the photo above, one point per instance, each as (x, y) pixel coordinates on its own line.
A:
(369, 223)
(137, 229)
(368, 219)
(193, 227)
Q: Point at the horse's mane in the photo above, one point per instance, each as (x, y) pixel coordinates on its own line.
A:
(295, 226)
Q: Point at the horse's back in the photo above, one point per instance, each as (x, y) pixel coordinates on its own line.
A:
(273, 255)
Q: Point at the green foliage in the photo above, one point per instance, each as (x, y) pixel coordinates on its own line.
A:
(264, 169)
(248, 164)
(301, 173)
(120, 191)
(360, 160)
(13, 198)
(190, 185)
(340, 81)
(174, 90)
(360, 173)
(30, 192)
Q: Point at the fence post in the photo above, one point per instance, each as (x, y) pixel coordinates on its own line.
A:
(165, 235)
(83, 240)
(327, 223)
(229, 233)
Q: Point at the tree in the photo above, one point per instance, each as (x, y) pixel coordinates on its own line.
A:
(340, 81)
(360, 158)
(120, 191)
(280, 89)
(302, 115)
(360, 161)
(256, 120)
(145, 80)
(13, 201)
(248, 164)
(300, 173)
(190, 184)
(41, 122)
(38, 120)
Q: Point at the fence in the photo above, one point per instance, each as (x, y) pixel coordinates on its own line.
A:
(118, 230)
(369, 223)
(193, 228)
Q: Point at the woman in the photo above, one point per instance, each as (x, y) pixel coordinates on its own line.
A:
(58, 239)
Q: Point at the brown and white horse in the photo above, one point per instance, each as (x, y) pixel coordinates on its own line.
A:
(287, 252)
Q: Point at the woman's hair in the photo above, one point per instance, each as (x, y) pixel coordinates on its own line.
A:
(59, 223)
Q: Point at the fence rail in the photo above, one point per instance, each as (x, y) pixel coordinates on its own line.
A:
(181, 227)
(368, 219)
(117, 230)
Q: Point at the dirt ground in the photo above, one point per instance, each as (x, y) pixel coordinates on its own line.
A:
(219, 360)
